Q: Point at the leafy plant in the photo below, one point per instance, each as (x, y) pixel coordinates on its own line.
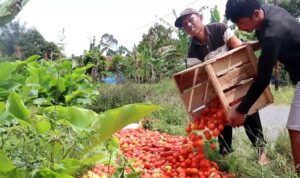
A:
(59, 141)
(45, 83)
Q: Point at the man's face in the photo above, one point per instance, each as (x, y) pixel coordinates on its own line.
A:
(246, 24)
(192, 24)
(249, 24)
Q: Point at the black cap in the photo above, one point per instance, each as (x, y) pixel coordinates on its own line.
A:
(185, 12)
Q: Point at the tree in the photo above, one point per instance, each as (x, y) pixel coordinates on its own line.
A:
(31, 42)
(149, 54)
(122, 50)
(10, 35)
(292, 6)
(16, 38)
(95, 57)
(108, 44)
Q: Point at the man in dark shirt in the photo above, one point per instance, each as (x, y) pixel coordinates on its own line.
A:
(207, 40)
(279, 35)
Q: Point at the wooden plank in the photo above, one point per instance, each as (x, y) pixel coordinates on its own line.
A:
(225, 54)
(197, 113)
(260, 103)
(228, 53)
(192, 92)
(203, 97)
(230, 62)
(218, 89)
(235, 76)
(182, 81)
(254, 61)
(255, 45)
(199, 96)
(185, 81)
(238, 92)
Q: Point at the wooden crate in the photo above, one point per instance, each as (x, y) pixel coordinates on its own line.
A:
(227, 76)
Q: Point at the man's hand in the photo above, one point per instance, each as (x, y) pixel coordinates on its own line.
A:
(237, 119)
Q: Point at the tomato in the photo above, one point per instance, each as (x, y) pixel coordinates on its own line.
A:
(162, 155)
(216, 132)
(213, 146)
(207, 135)
(221, 127)
(211, 126)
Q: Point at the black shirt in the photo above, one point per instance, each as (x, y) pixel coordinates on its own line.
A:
(215, 33)
(279, 37)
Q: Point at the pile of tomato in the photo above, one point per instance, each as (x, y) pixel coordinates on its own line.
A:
(160, 155)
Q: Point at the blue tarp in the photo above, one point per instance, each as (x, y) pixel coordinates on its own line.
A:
(113, 79)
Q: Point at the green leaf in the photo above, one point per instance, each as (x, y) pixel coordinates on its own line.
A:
(113, 144)
(19, 173)
(33, 79)
(10, 85)
(32, 58)
(66, 65)
(74, 94)
(113, 120)
(78, 117)
(42, 124)
(70, 165)
(16, 107)
(5, 163)
(6, 68)
(81, 70)
(134, 175)
(42, 101)
(6, 116)
(2, 107)
(61, 84)
(47, 173)
(97, 158)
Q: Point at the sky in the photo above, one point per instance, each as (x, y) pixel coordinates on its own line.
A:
(126, 20)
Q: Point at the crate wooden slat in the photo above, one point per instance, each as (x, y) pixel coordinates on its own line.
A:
(228, 76)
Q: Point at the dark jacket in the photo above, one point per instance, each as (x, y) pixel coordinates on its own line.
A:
(279, 37)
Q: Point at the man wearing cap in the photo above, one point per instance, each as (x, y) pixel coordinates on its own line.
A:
(205, 41)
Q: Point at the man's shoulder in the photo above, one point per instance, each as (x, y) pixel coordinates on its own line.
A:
(269, 7)
(216, 25)
(216, 28)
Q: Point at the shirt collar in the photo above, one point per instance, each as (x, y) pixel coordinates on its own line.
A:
(195, 41)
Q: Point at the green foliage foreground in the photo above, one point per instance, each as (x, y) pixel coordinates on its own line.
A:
(44, 132)
(59, 141)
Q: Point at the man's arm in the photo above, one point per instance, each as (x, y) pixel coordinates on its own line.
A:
(230, 39)
(270, 51)
(233, 42)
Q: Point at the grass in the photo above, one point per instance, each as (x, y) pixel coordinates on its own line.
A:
(278, 152)
(243, 161)
(284, 95)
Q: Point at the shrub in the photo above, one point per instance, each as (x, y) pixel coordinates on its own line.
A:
(113, 96)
